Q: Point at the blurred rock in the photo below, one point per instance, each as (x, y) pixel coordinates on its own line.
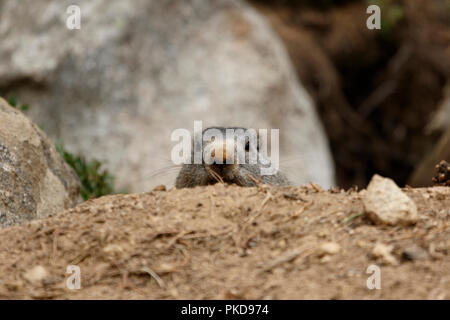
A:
(36, 275)
(35, 182)
(385, 203)
(414, 252)
(135, 71)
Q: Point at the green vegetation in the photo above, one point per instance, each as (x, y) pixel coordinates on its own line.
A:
(95, 182)
(13, 102)
(391, 14)
(352, 217)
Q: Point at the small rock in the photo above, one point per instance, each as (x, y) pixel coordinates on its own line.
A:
(322, 234)
(161, 187)
(361, 243)
(414, 252)
(282, 244)
(329, 248)
(385, 203)
(36, 275)
(384, 251)
(113, 250)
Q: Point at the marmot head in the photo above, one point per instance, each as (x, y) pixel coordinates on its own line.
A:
(228, 155)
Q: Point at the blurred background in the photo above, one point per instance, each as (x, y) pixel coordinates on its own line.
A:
(384, 96)
(349, 101)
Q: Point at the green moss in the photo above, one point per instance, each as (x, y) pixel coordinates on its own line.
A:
(13, 102)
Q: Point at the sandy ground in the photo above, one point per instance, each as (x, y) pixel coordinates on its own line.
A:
(228, 242)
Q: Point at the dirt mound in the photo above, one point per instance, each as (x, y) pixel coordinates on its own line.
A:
(229, 242)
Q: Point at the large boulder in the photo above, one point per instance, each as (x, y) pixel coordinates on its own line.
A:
(137, 70)
(35, 182)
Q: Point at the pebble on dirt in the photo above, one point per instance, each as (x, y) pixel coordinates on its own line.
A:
(36, 275)
(385, 203)
(414, 252)
(383, 251)
(329, 248)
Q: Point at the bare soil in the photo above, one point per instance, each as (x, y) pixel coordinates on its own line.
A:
(229, 242)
